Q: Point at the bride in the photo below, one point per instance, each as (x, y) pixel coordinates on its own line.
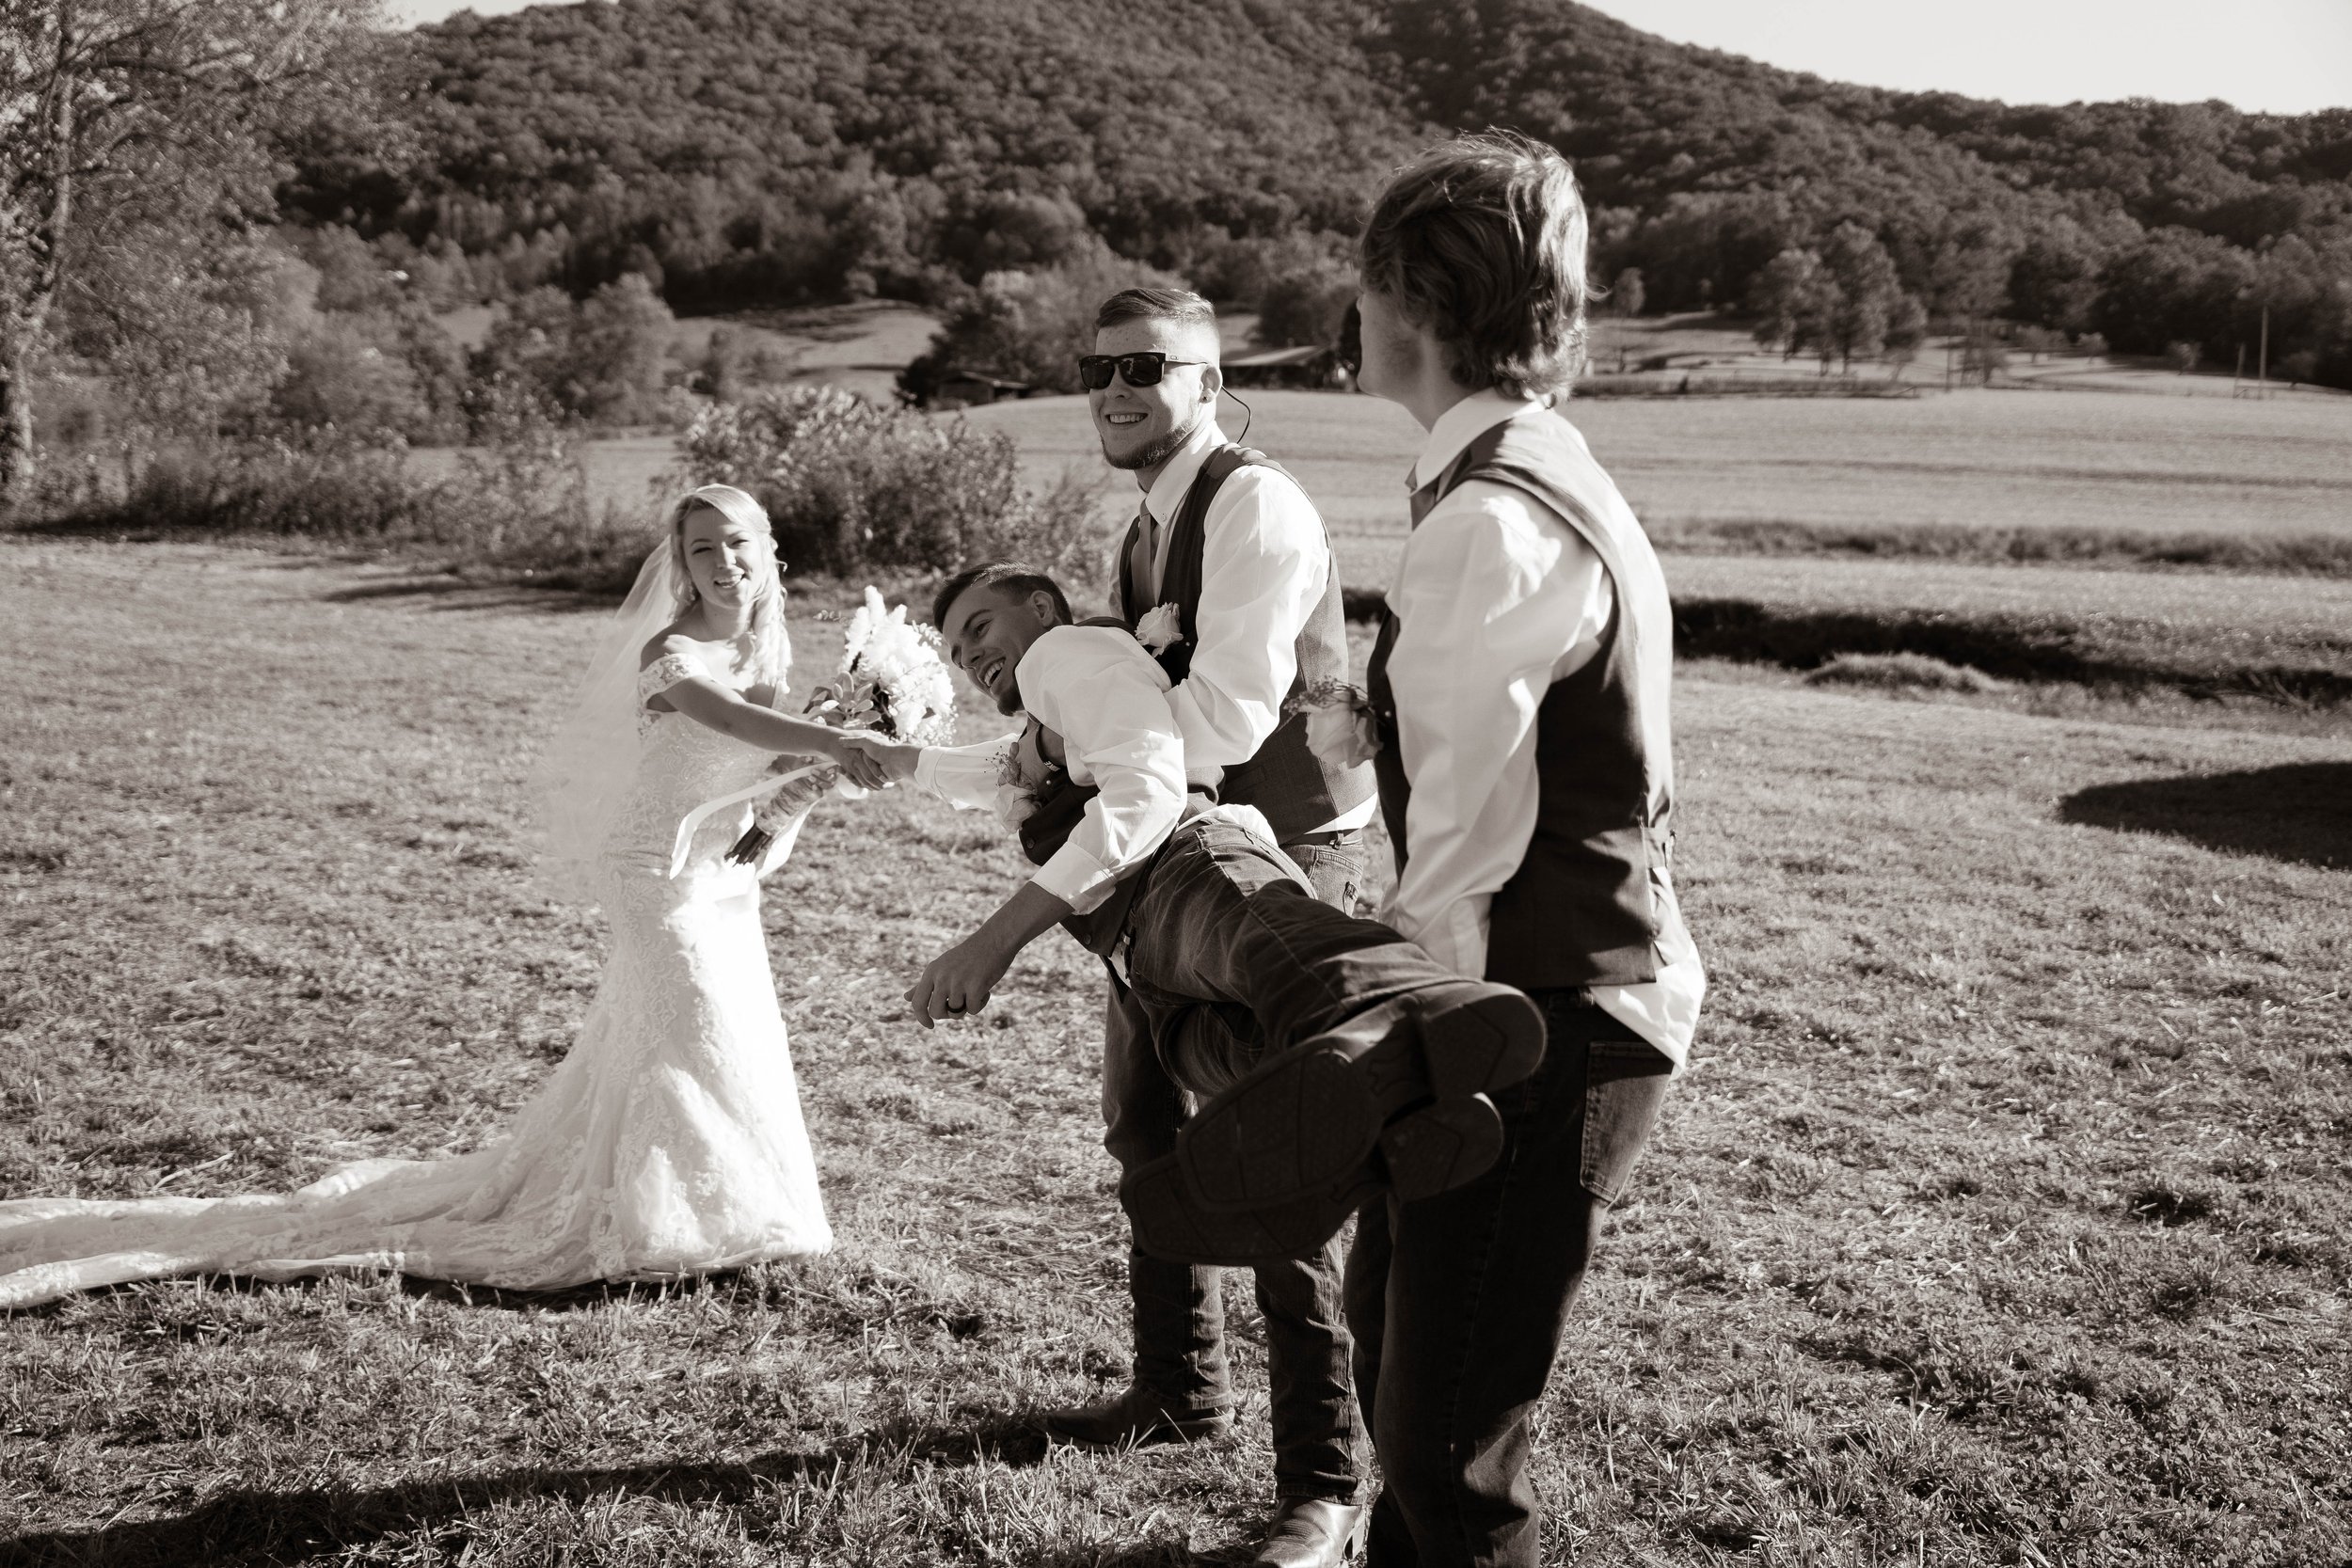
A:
(669, 1141)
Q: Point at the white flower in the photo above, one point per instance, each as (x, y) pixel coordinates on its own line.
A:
(1339, 727)
(1160, 629)
(1014, 804)
(1343, 737)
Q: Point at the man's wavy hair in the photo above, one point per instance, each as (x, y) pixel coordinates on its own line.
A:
(1482, 240)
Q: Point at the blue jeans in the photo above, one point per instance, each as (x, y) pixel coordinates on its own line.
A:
(1458, 1301)
(1321, 1447)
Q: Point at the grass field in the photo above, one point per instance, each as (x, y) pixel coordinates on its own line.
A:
(1975, 458)
(2002, 1221)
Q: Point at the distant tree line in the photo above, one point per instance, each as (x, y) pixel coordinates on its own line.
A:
(742, 153)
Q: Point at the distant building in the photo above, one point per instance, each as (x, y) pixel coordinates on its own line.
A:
(1313, 366)
(958, 389)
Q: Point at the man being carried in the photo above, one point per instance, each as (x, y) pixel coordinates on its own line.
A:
(1219, 936)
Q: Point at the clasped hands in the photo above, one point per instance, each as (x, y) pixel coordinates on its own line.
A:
(871, 762)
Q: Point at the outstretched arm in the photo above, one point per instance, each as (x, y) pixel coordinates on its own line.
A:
(959, 981)
(1103, 695)
(702, 698)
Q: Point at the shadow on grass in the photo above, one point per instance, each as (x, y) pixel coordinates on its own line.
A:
(253, 1525)
(2018, 648)
(456, 592)
(2299, 811)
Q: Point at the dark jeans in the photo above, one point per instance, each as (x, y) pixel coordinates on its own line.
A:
(1457, 1301)
(1321, 1447)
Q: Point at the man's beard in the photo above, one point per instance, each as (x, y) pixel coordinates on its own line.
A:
(1158, 452)
(1009, 703)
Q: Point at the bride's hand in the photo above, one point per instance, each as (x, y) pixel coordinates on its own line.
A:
(896, 761)
(856, 759)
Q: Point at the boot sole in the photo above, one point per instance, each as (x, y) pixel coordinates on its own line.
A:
(1309, 1120)
(1450, 1145)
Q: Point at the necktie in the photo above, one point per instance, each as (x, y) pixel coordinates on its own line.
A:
(1141, 568)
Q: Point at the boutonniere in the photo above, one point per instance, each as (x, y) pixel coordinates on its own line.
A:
(1340, 727)
(1016, 792)
(1160, 629)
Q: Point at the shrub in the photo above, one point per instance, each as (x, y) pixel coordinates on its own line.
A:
(2183, 358)
(853, 487)
(1304, 307)
(518, 506)
(602, 359)
(337, 375)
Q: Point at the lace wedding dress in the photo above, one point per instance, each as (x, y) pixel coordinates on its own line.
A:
(668, 1142)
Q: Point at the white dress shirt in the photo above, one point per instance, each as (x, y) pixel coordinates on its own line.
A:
(1265, 563)
(1497, 596)
(1107, 699)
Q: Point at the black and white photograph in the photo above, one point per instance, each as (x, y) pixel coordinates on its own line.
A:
(1243, 783)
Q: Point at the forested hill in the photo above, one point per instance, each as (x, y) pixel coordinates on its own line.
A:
(750, 151)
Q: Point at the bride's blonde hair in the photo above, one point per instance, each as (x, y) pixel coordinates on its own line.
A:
(772, 647)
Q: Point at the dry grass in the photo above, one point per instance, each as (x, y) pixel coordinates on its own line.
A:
(1976, 459)
(2002, 1221)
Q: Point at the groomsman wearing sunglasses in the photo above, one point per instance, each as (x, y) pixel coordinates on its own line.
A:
(1520, 688)
(1228, 573)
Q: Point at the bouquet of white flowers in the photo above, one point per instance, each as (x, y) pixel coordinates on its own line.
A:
(891, 680)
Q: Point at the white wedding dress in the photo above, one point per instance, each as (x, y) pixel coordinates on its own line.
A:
(669, 1142)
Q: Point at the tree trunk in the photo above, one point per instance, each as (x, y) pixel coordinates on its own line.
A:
(16, 431)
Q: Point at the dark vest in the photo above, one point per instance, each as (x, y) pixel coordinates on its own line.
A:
(1582, 908)
(1296, 790)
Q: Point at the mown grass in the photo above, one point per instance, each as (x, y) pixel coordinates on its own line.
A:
(2002, 1221)
(2112, 467)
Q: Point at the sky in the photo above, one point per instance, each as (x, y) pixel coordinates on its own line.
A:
(2285, 56)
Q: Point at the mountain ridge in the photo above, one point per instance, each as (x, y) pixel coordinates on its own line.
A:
(757, 151)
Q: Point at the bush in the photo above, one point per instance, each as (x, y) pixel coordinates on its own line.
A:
(1303, 308)
(2183, 358)
(603, 359)
(337, 376)
(518, 506)
(853, 487)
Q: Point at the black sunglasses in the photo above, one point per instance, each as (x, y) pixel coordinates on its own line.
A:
(1141, 370)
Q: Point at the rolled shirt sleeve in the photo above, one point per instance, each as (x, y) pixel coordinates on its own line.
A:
(1107, 699)
(966, 776)
(1264, 564)
(1496, 598)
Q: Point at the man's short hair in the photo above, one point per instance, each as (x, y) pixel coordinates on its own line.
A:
(1181, 306)
(1482, 240)
(1009, 577)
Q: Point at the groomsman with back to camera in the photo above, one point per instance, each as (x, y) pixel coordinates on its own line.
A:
(1519, 688)
(1233, 546)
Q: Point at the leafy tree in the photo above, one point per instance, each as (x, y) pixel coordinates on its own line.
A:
(1304, 307)
(1864, 293)
(603, 359)
(1793, 299)
(138, 130)
(1906, 332)
(1029, 326)
(2053, 280)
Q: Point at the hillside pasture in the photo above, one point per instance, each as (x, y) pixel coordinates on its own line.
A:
(2000, 1221)
(2010, 459)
